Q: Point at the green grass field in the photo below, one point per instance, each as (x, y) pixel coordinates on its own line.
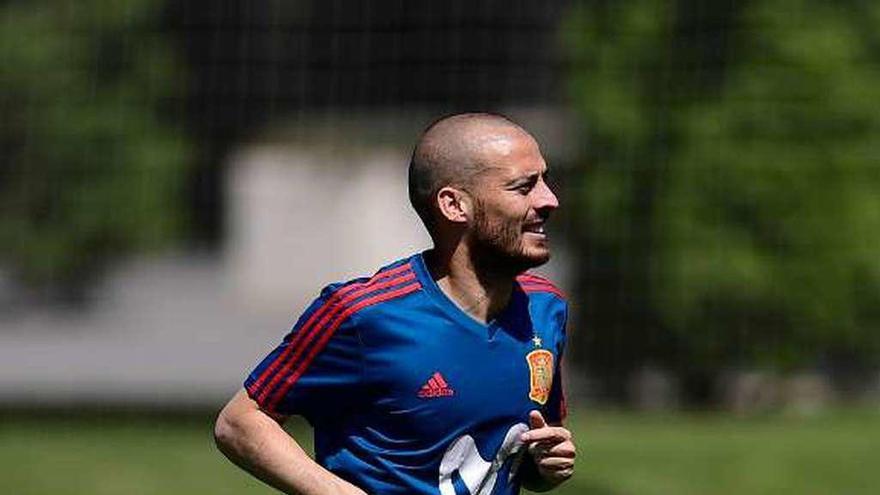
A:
(620, 453)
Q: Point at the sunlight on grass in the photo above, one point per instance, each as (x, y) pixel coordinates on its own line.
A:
(620, 454)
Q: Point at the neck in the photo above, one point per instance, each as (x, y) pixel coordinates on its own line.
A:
(476, 290)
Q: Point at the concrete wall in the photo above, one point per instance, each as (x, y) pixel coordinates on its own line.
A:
(186, 328)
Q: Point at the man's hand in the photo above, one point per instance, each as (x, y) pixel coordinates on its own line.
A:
(551, 449)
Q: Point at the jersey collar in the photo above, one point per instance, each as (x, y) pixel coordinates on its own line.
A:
(436, 294)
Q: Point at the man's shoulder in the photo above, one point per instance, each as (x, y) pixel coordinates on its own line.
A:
(533, 283)
(548, 304)
(396, 270)
(389, 283)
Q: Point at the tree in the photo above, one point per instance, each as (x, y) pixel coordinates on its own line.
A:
(90, 170)
(732, 199)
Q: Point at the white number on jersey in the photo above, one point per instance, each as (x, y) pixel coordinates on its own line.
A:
(478, 474)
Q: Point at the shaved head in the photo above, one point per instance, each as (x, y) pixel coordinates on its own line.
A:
(451, 152)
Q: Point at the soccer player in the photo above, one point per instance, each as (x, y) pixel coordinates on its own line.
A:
(439, 374)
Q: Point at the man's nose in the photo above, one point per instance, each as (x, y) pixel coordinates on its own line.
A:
(546, 198)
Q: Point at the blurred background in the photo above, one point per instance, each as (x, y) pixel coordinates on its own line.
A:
(179, 179)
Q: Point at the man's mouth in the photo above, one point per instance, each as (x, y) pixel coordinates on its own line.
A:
(535, 228)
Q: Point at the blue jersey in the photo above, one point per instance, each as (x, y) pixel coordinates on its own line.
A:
(408, 394)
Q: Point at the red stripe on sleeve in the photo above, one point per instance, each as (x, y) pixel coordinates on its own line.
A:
(296, 349)
(534, 283)
(376, 299)
(541, 287)
(330, 303)
(531, 277)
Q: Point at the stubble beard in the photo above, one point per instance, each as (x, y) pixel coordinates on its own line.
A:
(500, 248)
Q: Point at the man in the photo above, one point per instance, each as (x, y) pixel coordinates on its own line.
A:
(440, 373)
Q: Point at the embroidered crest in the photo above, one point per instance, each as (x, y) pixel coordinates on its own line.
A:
(541, 375)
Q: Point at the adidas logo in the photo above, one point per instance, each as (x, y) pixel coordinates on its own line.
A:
(436, 386)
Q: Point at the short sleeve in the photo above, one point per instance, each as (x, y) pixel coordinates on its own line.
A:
(317, 367)
(556, 409)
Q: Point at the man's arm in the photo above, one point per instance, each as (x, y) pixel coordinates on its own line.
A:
(257, 443)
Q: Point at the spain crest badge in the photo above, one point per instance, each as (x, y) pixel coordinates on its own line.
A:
(541, 375)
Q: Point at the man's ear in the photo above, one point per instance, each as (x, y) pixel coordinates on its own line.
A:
(454, 204)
